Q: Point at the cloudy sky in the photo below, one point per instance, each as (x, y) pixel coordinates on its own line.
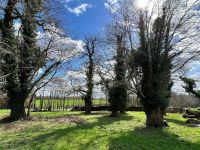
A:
(90, 17)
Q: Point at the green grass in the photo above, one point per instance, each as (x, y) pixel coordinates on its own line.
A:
(99, 132)
(71, 102)
(75, 102)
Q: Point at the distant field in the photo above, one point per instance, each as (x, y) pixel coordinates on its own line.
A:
(73, 102)
(69, 102)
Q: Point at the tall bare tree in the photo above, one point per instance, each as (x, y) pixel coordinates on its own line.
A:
(88, 69)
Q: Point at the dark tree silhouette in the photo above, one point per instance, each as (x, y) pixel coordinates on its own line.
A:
(155, 64)
(90, 53)
(190, 86)
(26, 58)
(118, 93)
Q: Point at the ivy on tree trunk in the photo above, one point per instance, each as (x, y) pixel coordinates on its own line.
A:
(118, 93)
(20, 62)
(152, 58)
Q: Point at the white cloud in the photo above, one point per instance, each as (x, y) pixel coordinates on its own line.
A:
(111, 5)
(114, 5)
(79, 9)
(67, 1)
(61, 47)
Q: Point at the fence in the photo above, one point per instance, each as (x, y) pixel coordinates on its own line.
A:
(52, 103)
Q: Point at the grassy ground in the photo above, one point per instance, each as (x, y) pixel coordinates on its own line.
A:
(99, 132)
(71, 102)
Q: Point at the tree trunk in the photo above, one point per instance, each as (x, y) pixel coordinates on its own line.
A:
(155, 118)
(114, 113)
(17, 108)
(88, 106)
(122, 111)
(122, 108)
(114, 110)
(29, 105)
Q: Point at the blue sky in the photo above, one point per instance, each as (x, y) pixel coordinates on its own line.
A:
(89, 20)
(79, 22)
(89, 17)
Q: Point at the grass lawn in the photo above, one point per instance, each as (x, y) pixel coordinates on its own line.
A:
(99, 132)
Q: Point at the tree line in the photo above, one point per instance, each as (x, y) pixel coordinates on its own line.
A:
(137, 54)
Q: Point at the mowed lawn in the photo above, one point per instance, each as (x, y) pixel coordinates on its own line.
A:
(97, 132)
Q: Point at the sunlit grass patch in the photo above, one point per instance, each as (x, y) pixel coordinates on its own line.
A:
(99, 131)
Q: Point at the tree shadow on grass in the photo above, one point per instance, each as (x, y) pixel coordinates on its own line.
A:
(176, 121)
(183, 123)
(50, 137)
(91, 134)
(6, 119)
(151, 139)
(82, 113)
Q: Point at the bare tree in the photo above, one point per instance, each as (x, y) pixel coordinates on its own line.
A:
(89, 53)
(86, 87)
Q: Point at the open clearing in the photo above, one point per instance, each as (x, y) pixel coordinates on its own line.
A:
(76, 131)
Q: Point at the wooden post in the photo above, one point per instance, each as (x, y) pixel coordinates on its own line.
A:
(67, 102)
(64, 104)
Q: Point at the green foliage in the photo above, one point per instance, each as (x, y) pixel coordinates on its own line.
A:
(118, 98)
